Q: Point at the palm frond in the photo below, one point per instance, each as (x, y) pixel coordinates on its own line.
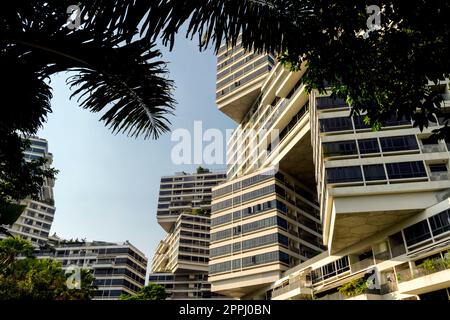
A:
(266, 25)
(129, 86)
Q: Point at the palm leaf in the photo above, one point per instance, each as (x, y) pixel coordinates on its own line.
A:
(129, 86)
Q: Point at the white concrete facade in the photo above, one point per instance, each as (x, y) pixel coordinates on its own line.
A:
(118, 268)
(35, 222)
(371, 189)
(180, 262)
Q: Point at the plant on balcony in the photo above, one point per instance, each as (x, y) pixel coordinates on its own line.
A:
(429, 265)
(436, 264)
(354, 287)
(199, 212)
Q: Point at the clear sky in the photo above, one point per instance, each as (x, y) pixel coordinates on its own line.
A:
(108, 185)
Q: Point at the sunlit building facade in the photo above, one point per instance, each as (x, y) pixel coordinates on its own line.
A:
(381, 197)
(180, 262)
(35, 222)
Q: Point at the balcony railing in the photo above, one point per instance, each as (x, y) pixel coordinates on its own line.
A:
(382, 256)
(439, 176)
(294, 285)
(397, 250)
(361, 265)
(430, 148)
(340, 296)
(436, 266)
(388, 288)
(334, 296)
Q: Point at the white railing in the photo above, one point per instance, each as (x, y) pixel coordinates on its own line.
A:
(430, 148)
(439, 176)
(296, 284)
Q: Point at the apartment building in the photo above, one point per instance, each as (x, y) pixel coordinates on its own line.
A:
(185, 193)
(381, 196)
(35, 222)
(240, 75)
(118, 268)
(180, 262)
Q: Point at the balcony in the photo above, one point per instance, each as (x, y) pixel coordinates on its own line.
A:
(361, 265)
(104, 264)
(293, 232)
(433, 274)
(431, 148)
(382, 256)
(299, 288)
(439, 176)
(365, 296)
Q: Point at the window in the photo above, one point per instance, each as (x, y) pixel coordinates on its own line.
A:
(236, 264)
(440, 223)
(335, 124)
(263, 258)
(220, 267)
(328, 103)
(342, 264)
(329, 270)
(399, 143)
(221, 235)
(344, 174)
(260, 241)
(368, 146)
(339, 148)
(282, 239)
(429, 141)
(374, 172)
(282, 223)
(403, 170)
(417, 233)
(394, 121)
(439, 167)
(221, 220)
(220, 250)
(359, 123)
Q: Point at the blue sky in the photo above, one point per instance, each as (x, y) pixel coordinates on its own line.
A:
(108, 185)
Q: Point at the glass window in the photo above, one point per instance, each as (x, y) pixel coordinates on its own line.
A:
(335, 124)
(394, 121)
(344, 174)
(359, 122)
(328, 103)
(417, 233)
(282, 239)
(368, 146)
(339, 148)
(342, 264)
(236, 264)
(402, 170)
(439, 167)
(399, 143)
(440, 223)
(329, 270)
(374, 172)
